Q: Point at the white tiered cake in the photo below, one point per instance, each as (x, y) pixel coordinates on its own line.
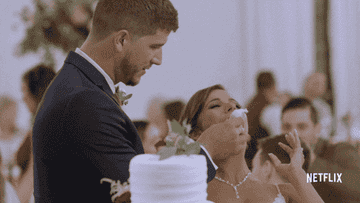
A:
(180, 178)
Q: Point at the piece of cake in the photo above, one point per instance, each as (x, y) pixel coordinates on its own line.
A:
(179, 178)
(241, 113)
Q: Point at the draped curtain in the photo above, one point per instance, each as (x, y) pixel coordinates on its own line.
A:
(277, 36)
(344, 31)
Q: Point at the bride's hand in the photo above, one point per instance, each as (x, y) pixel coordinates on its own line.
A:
(296, 157)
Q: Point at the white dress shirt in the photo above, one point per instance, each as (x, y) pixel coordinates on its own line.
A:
(112, 87)
(106, 76)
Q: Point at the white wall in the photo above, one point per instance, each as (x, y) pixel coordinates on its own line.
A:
(11, 67)
(204, 51)
(345, 59)
(218, 42)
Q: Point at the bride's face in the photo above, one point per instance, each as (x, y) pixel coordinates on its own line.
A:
(218, 107)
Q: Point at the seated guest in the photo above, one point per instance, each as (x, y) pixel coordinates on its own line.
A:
(156, 131)
(173, 109)
(34, 84)
(266, 95)
(233, 181)
(150, 137)
(157, 128)
(264, 169)
(315, 88)
(270, 117)
(7, 191)
(10, 137)
(301, 115)
(141, 127)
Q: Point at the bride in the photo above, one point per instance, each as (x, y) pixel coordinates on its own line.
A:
(233, 181)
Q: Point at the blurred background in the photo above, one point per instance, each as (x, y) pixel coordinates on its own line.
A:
(307, 48)
(219, 42)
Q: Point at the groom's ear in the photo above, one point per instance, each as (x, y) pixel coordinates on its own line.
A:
(121, 39)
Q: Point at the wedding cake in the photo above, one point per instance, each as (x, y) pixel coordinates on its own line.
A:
(179, 178)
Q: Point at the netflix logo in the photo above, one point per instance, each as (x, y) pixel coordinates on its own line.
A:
(323, 177)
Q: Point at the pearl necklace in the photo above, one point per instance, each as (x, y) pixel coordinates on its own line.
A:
(235, 187)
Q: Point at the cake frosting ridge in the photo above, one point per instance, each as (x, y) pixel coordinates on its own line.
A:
(179, 178)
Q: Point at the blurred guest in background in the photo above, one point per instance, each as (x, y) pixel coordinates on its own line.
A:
(264, 169)
(34, 84)
(343, 158)
(266, 94)
(157, 130)
(270, 117)
(315, 87)
(173, 109)
(141, 126)
(10, 137)
(7, 191)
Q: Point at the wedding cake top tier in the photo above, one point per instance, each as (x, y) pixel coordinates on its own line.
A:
(179, 178)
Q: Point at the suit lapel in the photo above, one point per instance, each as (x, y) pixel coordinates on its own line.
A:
(98, 79)
(90, 72)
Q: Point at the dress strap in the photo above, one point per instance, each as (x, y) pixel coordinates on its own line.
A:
(280, 198)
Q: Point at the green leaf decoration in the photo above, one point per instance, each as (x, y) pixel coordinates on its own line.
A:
(167, 152)
(171, 139)
(177, 128)
(193, 148)
(178, 141)
(181, 143)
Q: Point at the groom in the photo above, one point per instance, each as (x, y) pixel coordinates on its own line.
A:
(80, 133)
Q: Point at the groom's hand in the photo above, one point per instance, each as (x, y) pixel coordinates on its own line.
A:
(224, 139)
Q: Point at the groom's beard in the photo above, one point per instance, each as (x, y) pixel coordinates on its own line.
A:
(129, 72)
(130, 83)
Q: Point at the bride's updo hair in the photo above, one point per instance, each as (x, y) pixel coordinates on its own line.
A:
(194, 107)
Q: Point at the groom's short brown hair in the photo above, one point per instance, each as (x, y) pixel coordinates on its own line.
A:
(139, 17)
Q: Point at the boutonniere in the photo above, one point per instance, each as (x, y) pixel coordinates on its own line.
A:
(122, 95)
(118, 190)
(178, 141)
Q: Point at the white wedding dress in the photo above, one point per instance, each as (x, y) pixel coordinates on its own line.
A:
(279, 198)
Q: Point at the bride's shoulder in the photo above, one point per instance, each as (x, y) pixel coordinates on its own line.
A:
(252, 183)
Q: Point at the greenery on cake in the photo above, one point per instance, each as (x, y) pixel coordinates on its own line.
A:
(178, 141)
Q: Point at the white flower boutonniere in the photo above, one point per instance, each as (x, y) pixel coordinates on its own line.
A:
(122, 95)
(117, 189)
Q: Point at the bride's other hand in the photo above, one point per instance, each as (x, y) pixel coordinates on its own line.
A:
(296, 155)
(294, 172)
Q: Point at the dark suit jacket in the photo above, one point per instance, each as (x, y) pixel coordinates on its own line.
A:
(80, 136)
